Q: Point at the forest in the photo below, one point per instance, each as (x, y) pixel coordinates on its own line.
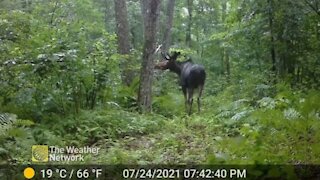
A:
(83, 73)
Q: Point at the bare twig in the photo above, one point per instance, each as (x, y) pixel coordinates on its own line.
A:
(158, 48)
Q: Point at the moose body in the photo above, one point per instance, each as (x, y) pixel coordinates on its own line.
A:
(192, 76)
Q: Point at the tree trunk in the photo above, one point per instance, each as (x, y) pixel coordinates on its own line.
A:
(122, 27)
(108, 16)
(272, 45)
(150, 15)
(283, 55)
(26, 5)
(188, 35)
(257, 54)
(225, 54)
(167, 33)
(226, 63)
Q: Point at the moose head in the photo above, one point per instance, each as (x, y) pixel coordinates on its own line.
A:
(169, 62)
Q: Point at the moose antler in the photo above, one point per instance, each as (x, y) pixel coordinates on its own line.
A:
(165, 56)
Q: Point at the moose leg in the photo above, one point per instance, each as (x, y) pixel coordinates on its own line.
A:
(200, 94)
(185, 98)
(190, 99)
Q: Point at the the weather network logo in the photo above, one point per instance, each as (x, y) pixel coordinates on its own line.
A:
(40, 153)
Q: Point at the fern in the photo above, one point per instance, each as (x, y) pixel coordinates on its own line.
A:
(15, 139)
(6, 122)
(291, 113)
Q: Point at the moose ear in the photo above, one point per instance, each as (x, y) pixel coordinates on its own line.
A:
(165, 56)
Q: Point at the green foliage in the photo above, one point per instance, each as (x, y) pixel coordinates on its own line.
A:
(91, 127)
(80, 50)
(126, 95)
(15, 138)
(295, 134)
(169, 105)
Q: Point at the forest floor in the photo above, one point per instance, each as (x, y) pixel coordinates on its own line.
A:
(156, 139)
(185, 140)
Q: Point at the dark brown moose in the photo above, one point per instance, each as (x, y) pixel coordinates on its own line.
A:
(191, 76)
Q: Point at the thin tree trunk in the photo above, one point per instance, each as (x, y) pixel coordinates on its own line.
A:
(26, 5)
(282, 63)
(188, 35)
(225, 59)
(122, 27)
(272, 45)
(143, 12)
(150, 14)
(290, 58)
(108, 16)
(227, 64)
(53, 12)
(257, 55)
(167, 33)
(203, 30)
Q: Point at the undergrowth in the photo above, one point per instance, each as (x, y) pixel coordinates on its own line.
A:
(279, 129)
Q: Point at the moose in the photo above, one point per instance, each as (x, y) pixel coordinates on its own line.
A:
(191, 76)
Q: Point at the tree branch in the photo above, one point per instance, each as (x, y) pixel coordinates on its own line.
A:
(315, 7)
